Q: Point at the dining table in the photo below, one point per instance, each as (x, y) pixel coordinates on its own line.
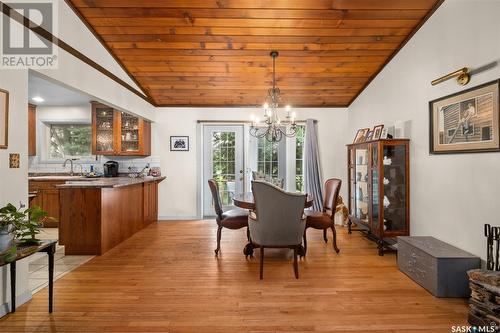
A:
(246, 201)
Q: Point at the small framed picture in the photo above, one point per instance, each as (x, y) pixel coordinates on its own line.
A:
(179, 143)
(369, 136)
(377, 132)
(4, 118)
(385, 134)
(361, 135)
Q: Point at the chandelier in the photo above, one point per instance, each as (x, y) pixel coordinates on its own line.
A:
(273, 128)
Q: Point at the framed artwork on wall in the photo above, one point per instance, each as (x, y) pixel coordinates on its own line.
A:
(179, 143)
(466, 122)
(4, 119)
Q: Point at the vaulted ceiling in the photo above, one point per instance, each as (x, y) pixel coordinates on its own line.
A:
(216, 52)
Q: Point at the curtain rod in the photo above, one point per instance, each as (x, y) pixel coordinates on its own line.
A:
(240, 121)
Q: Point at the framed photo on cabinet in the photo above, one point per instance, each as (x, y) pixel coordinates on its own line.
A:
(466, 122)
(361, 135)
(4, 119)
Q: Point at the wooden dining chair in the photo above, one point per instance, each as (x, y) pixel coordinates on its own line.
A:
(325, 219)
(231, 219)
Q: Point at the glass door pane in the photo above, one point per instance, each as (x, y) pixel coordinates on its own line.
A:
(104, 129)
(223, 161)
(394, 188)
(361, 195)
(375, 188)
(129, 133)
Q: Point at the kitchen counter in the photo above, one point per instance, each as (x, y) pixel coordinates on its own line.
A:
(107, 182)
(98, 214)
(51, 178)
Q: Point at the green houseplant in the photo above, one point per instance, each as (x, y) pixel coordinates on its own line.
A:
(18, 226)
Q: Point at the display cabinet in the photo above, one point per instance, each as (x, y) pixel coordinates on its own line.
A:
(116, 133)
(379, 184)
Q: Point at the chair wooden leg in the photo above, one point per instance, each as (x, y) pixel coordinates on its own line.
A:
(334, 238)
(248, 234)
(305, 242)
(219, 231)
(325, 237)
(261, 262)
(295, 264)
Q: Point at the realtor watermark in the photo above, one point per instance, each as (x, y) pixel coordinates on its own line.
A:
(22, 47)
(491, 328)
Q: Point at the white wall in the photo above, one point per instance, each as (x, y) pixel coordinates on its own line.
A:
(13, 182)
(452, 196)
(178, 194)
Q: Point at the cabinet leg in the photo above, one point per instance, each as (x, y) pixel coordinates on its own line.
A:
(380, 248)
(349, 226)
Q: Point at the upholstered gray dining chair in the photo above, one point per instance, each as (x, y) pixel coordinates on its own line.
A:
(278, 220)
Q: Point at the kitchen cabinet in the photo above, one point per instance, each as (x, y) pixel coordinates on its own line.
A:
(116, 133)
(150, 207)
(31, 130)
(47, 198)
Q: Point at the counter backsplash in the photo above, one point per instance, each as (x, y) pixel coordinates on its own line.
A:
(37, 166)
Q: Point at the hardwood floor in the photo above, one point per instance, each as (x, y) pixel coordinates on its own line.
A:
(166, 279)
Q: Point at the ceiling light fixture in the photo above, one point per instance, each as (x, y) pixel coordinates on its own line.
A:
(38, 99)
(273, 128)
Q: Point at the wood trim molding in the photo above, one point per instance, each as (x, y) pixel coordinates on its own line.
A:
(7, 11)
(403, 43)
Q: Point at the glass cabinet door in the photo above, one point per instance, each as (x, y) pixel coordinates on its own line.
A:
(129, 133)
(105, 120)
(394, 200)
(361, 174)
(375, 204)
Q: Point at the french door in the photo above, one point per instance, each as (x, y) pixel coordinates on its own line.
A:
(222, 161)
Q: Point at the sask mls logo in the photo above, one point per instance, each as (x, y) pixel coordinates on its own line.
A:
(22, 47)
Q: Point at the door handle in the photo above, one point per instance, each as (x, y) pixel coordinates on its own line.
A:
(241, 171)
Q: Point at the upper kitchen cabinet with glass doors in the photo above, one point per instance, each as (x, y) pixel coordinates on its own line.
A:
(116, 133)
(379, 186)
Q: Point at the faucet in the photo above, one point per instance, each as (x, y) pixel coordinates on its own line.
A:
(71, 162)
(81, 169)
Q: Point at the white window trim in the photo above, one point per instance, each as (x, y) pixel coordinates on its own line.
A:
(43, 137)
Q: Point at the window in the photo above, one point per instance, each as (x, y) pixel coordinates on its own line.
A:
(268, 158)
(224, 150)
(299, 158)
(69, 141)
(281, 161)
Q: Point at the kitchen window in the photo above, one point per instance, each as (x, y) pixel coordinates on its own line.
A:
(69, 141)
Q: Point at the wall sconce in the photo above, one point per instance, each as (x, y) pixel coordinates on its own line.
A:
(462, 75)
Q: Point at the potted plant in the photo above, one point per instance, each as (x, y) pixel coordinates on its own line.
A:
(19, 226)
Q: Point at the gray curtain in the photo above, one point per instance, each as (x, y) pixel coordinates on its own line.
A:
(312, 170)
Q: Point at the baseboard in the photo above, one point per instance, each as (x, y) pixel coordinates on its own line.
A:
(21, 299)
(178, 218)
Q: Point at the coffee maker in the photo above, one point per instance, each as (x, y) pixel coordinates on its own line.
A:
(110, 169)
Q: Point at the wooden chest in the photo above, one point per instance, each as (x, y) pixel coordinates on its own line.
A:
(435, 265)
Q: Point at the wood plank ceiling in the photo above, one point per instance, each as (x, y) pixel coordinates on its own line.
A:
(216, 52)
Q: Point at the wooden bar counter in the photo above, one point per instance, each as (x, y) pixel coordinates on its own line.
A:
(97, 215)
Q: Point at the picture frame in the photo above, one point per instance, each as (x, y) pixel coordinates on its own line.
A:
(384, 134)
(369, 136)
(4, 119)
(377, 132)
(467, 121)
(361, 135)
(179, 143)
